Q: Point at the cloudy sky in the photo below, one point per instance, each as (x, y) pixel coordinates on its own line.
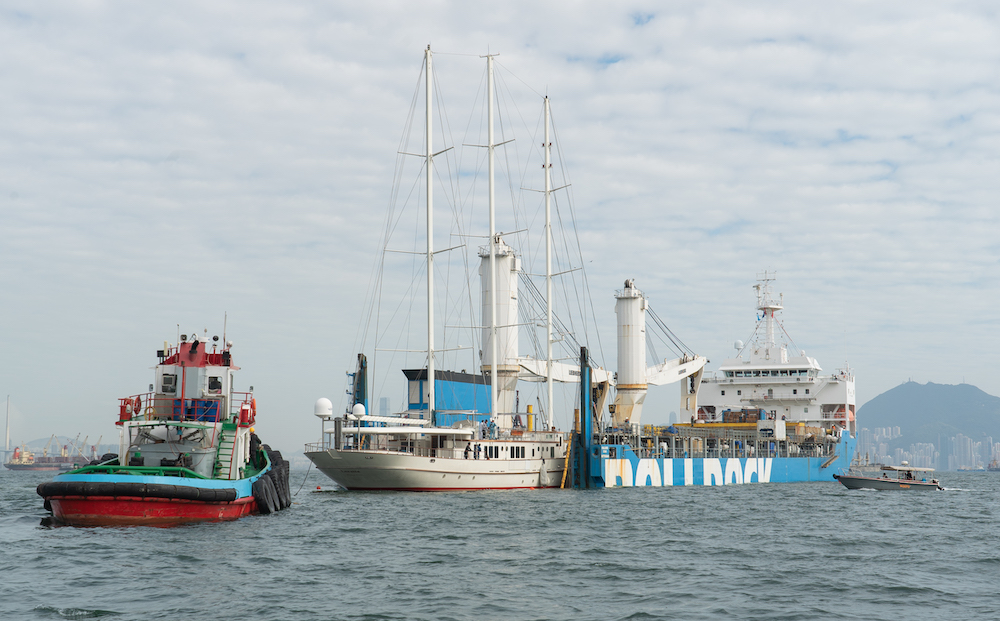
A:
(166, 164)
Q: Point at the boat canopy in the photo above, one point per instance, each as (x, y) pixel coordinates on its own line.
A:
(907, 469)
(399, 431)
(398, 420)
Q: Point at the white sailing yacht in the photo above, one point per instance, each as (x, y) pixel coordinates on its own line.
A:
(447, 438)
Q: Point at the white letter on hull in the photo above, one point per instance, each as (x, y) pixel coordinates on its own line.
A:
(713, 471)
(668, 473)
(734, 472)
(689, 472)
(618, 469)
(750, 470)
(648, 468)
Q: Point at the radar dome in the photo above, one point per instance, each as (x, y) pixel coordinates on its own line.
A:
(324, 408)
(738, 345)
(358, 410)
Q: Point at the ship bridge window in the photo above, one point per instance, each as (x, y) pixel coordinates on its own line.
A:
(169, 385)
(784, 373)
(214, 385)
(756, 373)
(729, 373)
(774, 374)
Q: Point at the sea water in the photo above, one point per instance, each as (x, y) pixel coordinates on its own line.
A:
(772, 551)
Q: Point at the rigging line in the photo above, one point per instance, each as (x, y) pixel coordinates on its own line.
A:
(670, 334)
(586, 280)
(378, 286)
(497, 62)
(782, 326)
(750, 340)
(508, 103)
(308, 470)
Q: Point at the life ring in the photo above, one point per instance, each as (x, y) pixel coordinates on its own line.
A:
(150, 412)
(138, 405)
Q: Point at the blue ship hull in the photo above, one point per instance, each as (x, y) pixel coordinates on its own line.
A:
(627, 469)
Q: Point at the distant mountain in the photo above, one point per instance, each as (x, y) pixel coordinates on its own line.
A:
(929, 412)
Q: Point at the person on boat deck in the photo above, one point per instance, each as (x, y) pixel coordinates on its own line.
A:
(468, 447)
(475, 453)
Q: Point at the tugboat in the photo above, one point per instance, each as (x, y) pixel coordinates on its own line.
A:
(187, 451)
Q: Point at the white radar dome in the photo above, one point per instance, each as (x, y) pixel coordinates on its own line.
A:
(738, 345)
(324, 408)
(358, 410)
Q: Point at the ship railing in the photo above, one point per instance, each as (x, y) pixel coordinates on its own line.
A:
(151, 406)
(725, 443)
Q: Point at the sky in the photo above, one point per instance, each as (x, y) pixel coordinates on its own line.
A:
(168, 168)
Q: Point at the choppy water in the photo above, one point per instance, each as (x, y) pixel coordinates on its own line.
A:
(782, 551)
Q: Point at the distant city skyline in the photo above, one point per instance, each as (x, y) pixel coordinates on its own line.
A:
(951, 453)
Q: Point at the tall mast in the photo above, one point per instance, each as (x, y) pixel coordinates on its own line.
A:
(6, 446)
(430, 242)
(494, 379)
(548, 266)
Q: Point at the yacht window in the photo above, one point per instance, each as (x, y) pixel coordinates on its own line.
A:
(774, 374)
(214, 385)
(784, 373)
(807, 391)
(723, 393)
(770, 392)
(169, 384)
(795, 391)
(739, 392)
(756, 373)
(806, 410)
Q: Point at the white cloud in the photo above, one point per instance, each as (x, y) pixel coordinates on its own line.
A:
(163, 165)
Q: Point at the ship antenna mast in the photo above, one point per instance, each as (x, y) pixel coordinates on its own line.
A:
(767, 305)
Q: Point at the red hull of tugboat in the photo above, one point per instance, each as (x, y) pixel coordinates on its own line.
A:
(135, 511)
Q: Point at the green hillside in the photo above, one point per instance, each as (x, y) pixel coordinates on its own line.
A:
(927, 412)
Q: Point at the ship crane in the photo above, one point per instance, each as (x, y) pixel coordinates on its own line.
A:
(634, 377)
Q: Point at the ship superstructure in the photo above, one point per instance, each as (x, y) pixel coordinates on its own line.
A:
(765, 382)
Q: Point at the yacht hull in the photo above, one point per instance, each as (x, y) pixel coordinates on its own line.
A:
(387, 470)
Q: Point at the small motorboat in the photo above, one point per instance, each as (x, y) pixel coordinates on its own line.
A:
(893, 477)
